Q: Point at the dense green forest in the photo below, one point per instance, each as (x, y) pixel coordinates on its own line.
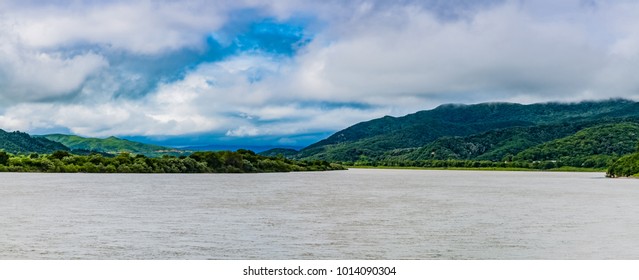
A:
(20, 142)
(625, 166)
(288, 153)
(495, 145)
(596, 146)
(592, 147)
(112, 145)
(242, 161)
(511, 128)
(540, 136)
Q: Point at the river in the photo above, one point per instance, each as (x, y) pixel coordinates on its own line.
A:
(354, 214)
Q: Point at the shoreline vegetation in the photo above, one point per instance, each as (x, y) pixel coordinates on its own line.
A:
(625, 166)
(246, 161)
(562, 169)
(452, 164)
(241, 161)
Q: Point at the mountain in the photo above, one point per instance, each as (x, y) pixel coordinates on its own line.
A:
(596, 146)
(487, 131)
(113, 145)
(22, 143)
(254, 148)
(494, 145)
(279, 151)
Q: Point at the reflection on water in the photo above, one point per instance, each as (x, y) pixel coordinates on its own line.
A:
(355, 214)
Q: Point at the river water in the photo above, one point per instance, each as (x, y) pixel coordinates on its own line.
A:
(354, 214)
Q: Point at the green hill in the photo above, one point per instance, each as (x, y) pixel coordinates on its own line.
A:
(278, 151)
(494, 145)
(112, 145)
(596, 146)
(22, 143)
(626, 166)
(375, 139)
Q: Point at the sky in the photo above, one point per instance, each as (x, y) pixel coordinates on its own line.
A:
(291, 72)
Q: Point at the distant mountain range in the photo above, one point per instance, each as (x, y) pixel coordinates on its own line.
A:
(254, 148)
(112, 145)
(23, 143)
(585, 133)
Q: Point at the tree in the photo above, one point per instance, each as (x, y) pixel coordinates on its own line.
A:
(60, 155)
(4, 157)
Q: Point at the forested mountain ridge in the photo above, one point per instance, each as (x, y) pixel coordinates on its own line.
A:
(487, 131)
(591, 147)
(20, 142)
(480, 117)
(494, 145)
(112, 145)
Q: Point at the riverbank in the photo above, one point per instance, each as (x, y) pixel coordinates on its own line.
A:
(561, 169)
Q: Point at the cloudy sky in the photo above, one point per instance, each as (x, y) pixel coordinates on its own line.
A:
(291, 72)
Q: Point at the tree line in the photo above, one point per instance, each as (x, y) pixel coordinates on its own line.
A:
(598, 163)
(241, 161)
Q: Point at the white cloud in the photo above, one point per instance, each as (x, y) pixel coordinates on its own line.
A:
(146, 27)
(211, 98)
(41, 76)
(243, 131)
(502, 51)
(33, 75)
(389, 58)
